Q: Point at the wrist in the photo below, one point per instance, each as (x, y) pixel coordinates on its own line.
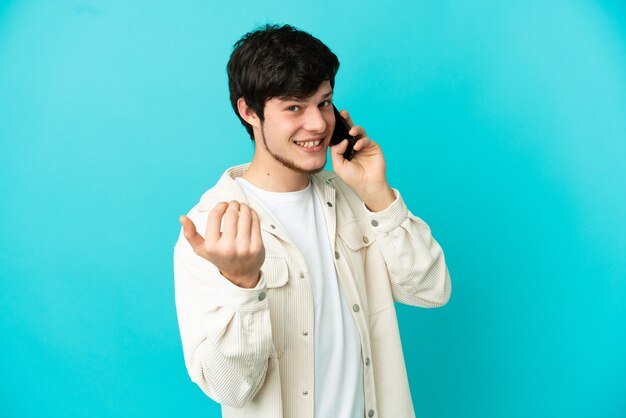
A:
(380, 199)
(245, 282)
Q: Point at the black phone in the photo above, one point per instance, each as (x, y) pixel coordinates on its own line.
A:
(341, 132)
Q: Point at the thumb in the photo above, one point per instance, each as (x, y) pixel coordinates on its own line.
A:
(336, 152)
(190, 233)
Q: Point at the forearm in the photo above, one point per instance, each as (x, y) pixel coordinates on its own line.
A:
(225, 331)
(230, 364)
(414, 260)
(377, 198)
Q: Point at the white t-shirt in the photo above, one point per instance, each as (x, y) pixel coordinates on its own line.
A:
(338, 368)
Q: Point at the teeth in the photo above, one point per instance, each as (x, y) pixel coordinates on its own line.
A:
(308, 144)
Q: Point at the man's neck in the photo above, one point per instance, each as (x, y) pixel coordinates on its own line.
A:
(274, 177)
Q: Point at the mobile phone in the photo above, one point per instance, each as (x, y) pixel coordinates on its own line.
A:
(341, 132)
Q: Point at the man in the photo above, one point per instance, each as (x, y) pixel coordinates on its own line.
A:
(286, 303)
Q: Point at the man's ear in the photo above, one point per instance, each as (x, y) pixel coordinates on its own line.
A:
(247, 113)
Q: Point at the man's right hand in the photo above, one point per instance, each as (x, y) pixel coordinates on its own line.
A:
(237, 251)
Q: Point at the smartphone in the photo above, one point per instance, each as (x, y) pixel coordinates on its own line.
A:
(341, 132)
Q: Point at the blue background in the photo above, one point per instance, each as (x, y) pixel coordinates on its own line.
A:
(503, 124)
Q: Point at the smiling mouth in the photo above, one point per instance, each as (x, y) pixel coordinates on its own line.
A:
(308, 144)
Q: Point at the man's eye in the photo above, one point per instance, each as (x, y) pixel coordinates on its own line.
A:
(325, 103)
(293, 108)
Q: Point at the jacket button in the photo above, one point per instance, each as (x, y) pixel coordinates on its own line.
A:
(330, 205)
(305, 333)
(356, 307)
(262, 296)
(302, 275)
(367, 361)
(336, 255)
(274, 227)
(370, 413)
(374, 222)
(365, 240)
(305, 392)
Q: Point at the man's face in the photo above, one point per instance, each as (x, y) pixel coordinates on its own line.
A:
(296, 132)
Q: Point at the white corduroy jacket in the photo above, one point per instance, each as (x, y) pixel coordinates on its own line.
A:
(251, 350)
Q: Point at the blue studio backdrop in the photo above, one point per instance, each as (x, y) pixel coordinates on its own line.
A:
(503, 124)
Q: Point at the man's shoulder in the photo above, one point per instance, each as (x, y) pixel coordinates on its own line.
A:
(325, 175)
(331, 178)
(344, 196)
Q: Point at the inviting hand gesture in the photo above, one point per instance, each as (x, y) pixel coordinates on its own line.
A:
(366, 172)
(237, 251)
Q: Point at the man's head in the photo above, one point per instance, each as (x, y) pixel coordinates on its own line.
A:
(277, 62)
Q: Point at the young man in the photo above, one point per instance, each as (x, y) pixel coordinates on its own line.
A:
(286, 275)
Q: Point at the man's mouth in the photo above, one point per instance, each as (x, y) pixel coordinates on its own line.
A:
(309, 144)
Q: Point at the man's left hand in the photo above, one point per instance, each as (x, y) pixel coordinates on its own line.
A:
(366, 172)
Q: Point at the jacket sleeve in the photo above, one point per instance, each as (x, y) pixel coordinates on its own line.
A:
(415, 261)
(225, 330)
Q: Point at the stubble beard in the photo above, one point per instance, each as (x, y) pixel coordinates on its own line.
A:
(285, 162)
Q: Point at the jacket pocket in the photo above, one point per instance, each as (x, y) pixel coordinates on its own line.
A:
(367, 266)
(355, 235)
(276, 274)
(275, 271)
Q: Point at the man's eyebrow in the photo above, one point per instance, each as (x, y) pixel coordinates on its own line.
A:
(303, 99)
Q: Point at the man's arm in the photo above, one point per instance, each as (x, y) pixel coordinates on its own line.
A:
(415, 262)
(223, 313)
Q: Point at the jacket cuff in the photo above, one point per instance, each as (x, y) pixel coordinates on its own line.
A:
(242, 299)
(389, 218)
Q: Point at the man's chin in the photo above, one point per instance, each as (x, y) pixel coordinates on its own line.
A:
(296, 167)
(317, 170)
(303, 170)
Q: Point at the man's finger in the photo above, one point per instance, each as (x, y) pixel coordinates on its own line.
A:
(191, 235)
(362, 143)
(256, 241)
(357, 131)
(229, 232)
(244, 224)
(214, 221)
(339, 149)
(344, 113)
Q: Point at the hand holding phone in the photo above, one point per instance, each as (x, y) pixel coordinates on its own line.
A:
(341, 132)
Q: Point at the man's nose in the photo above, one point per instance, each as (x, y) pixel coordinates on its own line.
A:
(314, 120)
